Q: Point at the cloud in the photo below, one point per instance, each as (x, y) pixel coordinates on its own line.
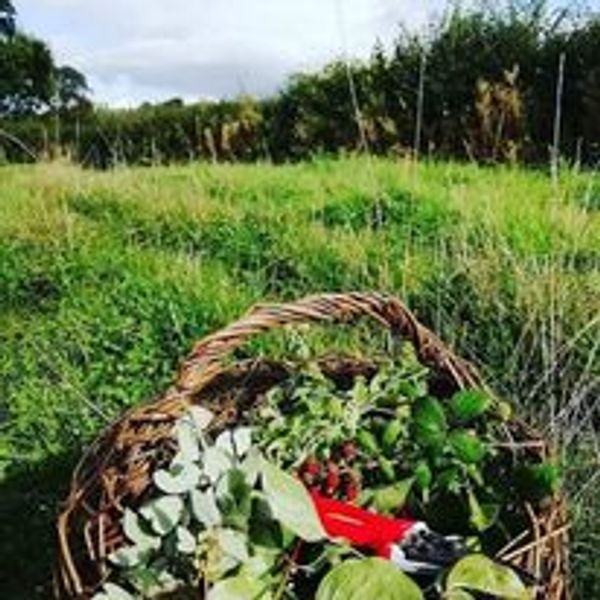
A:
(151, 49)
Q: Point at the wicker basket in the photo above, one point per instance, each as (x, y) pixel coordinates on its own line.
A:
(116, 470)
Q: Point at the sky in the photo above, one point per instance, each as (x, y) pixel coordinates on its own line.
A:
(137, 50)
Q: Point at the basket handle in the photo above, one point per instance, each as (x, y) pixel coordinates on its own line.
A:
(205, 360)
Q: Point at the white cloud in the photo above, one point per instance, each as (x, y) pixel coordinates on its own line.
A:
(151, 49)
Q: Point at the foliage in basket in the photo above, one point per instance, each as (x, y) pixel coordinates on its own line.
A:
(233, 517)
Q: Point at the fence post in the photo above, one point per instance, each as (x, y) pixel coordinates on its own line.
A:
(555, 152)
(420, 100)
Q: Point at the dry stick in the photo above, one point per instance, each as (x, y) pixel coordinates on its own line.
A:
(557, 120)
(420, 100)
(516, 553)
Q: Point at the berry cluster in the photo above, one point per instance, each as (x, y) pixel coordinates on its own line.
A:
(335, 477)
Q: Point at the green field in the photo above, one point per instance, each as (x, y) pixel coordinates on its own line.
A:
(106, 279)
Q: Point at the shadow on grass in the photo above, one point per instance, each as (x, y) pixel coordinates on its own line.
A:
(29, 499)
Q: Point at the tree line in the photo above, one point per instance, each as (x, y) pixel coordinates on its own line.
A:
(480, 83)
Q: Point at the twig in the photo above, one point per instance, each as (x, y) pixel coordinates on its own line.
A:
(560, 531)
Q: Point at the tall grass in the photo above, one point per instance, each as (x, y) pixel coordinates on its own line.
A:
(106, 279)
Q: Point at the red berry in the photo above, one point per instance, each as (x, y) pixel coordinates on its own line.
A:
(310, 471)
(350, 485)
(332, 479)
(349, 450)
(311, 466)
(351, 492)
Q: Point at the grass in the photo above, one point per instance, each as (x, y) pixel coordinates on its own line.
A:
(106, 279)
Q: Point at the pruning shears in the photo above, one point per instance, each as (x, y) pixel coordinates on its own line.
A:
(409, 544)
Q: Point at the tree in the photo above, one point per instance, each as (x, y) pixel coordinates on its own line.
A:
(7, 19)
(27, 82)
(30, 82)
(71, 89)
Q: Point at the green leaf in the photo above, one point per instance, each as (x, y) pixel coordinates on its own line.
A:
(241, 587)
(393, 497)
(180, 478)
(360, 391)
(366, 440)
(467, 446)
(467, 405)
(264, 530)
(479, 573)
(483, 516)
(423, 475)
(369, 578)
(536, 482)
(458, 594)
(290, 503)
(391, 435)
(205, 509)
(163, 513)
(386, 467)
(450, 479)
(239, 491)
(429, 422)
(504, 410)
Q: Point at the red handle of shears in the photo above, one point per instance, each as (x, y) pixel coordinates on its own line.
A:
(361, 527)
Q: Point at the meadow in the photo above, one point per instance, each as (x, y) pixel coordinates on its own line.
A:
(107, 278)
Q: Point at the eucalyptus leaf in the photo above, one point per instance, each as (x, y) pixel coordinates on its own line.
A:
(225, 443)
(187, 439)
(234, 544)
(242, 438)
(479, 573)
(202, 417)
(129, 556)
(368, 578)
(251, 466)
(181, 478)
(204, 508)
(134, 530)
(215, 463)
(261, 562)
(186, 542)
(163, 513)
(112, 591)
(290, 503)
